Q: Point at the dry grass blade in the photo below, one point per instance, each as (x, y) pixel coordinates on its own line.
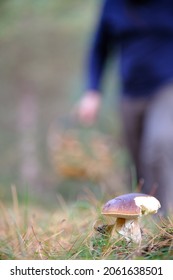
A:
(15, 203)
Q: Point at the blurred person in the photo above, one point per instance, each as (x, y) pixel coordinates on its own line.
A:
(143, 31)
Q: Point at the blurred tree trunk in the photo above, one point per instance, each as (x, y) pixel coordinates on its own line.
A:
(27, 127)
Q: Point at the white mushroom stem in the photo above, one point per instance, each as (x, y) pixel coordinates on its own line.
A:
(129, 228)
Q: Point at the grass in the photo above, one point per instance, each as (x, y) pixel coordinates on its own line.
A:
(29, 232)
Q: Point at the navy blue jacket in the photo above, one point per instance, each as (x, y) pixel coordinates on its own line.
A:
(144, 35)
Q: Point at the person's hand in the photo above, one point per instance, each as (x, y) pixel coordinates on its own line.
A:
(88, 108)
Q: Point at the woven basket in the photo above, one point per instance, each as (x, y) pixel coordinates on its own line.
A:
(79, 152)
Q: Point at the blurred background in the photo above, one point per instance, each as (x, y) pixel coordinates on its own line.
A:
(43, 47)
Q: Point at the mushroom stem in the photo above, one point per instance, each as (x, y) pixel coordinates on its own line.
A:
(129, 228)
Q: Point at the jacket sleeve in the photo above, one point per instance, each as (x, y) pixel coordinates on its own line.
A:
(100, 50)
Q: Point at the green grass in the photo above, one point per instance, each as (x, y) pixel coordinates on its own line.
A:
(68, 232)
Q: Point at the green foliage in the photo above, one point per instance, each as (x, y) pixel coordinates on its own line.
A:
(42, 51)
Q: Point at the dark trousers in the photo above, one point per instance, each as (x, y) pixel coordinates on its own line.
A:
(148, 129)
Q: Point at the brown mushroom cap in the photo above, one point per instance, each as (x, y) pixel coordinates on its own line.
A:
(131, 205)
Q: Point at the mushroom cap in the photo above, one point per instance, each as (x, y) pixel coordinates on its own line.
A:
(131, 205)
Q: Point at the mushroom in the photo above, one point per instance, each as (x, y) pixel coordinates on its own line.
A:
(126, 209)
